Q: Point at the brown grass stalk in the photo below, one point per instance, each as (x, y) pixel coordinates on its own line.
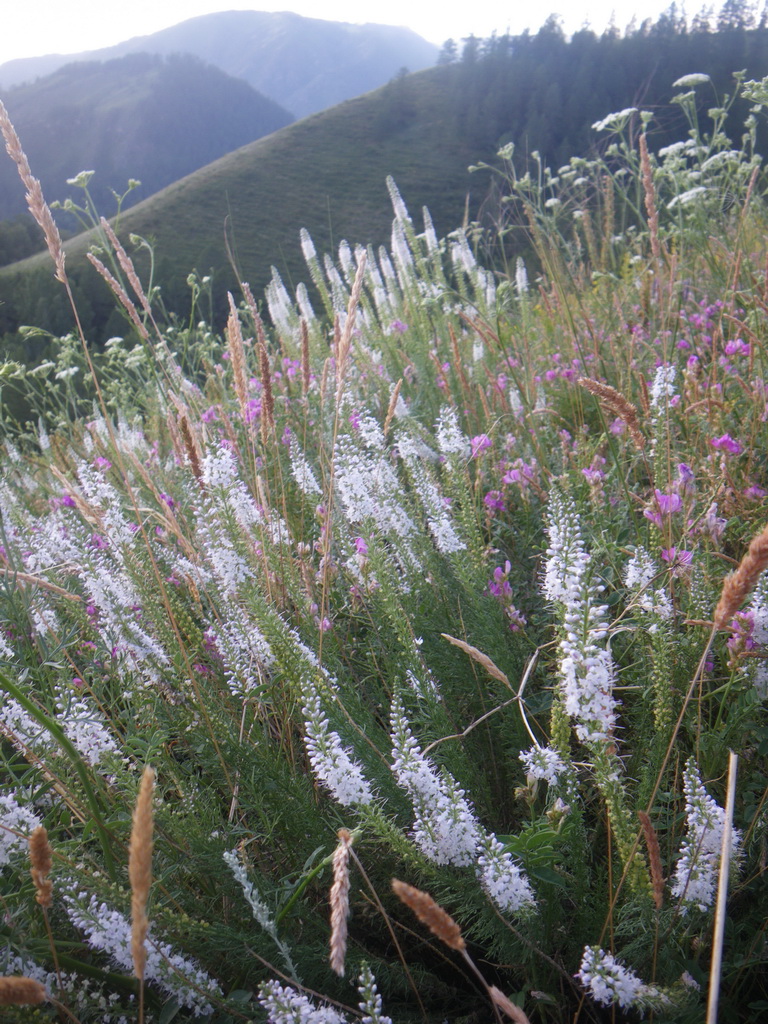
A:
(345, 340)
(482, 659)
(392, 406)
(41, 861)
(236, 348)
(35, 199)
(507, 1006)
(650, 198)
(20, 991)
(267, 398)
(654, 858)
(191, 448)
(305, 368)
(340, 902)
(140, 870)
(738, 586)
(128, 268)
(617, 404)
(439, 922)
(120, 293)
(258, 323)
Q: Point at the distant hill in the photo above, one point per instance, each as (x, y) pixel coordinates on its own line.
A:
(303, 64)
(327, 173)
(147, 117)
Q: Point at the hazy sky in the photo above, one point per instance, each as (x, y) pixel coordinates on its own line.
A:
(35, 27)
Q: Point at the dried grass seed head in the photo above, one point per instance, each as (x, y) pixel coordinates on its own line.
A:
(439, 922)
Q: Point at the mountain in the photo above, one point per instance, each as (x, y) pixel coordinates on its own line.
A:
(151, 118)
(303, 64)
(327, 173)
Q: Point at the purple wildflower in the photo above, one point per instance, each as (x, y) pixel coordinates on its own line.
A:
(479, 444)
(727, 444)
(494, 500)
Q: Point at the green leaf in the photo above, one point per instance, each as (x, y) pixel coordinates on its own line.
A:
(545, 874)
(168, 1012)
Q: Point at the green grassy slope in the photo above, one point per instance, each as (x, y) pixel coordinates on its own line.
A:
(326, 173)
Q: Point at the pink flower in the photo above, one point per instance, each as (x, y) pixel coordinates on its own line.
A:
(494, 500)
(727, 444)
(668, 503)
(479, 444)
(678, 559)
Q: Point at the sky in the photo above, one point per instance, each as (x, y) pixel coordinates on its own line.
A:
(36, 27)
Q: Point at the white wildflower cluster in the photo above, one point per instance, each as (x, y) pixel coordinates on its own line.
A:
(304, 303)
(109, 932)
(16, 824)
(695, 878)
(287, 1006)
(639, 570)
(259, 908)
(450, 438)
(307, 246)
(5, 648)
(689, 81)
(759, 609)
(302, 473)
(587, 671)
(442, 529)
(689, 196)
(543, 763)
(430, 235)
(398, 204)
(228, 566)
(80, 994)
(370, 1000)
(445, 828)
(49, 543)
(281, 310)
(370, 491)
(330, 760)
(339, 292)
(402, 255)
(99, 492)
(23, 731)
(615, 121)
(113, 595)
(43, 620)
(639, 574)
(244, 650)
(663, 386)
(370, 432)
(610, 983)
(464, 260)
(502, 879)
(85, 728)
(221, 473)
(521, 277)
(424, 685)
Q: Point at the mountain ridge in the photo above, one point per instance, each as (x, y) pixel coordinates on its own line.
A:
(147, 117)
(272, 52)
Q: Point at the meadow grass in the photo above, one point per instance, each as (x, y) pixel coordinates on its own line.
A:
(404, 659)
